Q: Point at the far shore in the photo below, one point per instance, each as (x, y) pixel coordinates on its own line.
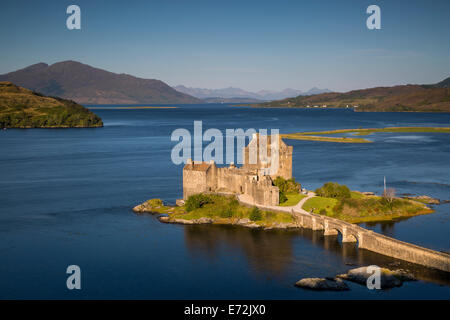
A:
(144, 107)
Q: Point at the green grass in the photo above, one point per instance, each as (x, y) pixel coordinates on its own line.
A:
(317, 204)
(292, 199)
(356, 195)
(360, 208)
(301, 136)
(312, 136)
(223, 210)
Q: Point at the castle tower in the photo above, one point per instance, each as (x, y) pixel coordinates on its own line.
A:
(260, 145)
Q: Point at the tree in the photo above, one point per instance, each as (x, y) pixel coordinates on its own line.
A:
(389, 194)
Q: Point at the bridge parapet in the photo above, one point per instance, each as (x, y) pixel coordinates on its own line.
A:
(367, 239)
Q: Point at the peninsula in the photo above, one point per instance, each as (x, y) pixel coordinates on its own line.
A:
(23, 108)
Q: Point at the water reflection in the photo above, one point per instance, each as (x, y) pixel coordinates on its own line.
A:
(273, 253)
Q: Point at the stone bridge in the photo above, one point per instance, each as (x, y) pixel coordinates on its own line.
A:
(365, 239)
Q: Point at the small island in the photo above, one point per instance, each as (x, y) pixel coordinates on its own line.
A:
(253, 196)
(23, 108)
(325, 135)
(332, 200)
(256, 196)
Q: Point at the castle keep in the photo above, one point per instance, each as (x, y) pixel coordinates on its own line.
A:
(254, 178)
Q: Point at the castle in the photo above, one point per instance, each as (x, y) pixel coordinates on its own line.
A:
(254, 178)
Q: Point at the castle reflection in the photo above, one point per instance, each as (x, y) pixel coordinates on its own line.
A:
(271, 253)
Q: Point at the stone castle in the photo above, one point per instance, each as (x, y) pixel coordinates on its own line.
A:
(254, 178)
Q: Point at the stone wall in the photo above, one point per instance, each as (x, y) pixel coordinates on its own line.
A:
(251, 179)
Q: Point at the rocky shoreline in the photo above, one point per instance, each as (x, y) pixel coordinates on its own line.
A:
(234, 222)
(388, 279)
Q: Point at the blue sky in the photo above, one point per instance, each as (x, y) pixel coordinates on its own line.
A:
(253, 45)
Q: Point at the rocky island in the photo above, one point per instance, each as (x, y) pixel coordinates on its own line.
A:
(23, 108)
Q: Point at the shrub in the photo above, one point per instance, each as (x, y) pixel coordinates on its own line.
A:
(287, 186)
(333, 190)
(255, 214)
(282, 197)
(197, 201)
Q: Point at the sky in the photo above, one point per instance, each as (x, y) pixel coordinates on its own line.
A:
(252, 45)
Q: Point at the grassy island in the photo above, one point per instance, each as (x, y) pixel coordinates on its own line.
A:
(23, 108)
(319, 135)
(339, 202)
(332, 199)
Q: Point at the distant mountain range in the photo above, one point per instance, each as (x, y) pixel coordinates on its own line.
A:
(88, 85)
(418, 98)
(236, 93)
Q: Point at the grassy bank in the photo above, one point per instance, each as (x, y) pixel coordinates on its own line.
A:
(360, 208)
(316, 135)
(302, 136)
(220, 209)
(292, 199)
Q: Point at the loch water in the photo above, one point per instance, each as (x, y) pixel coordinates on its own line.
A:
(66, 197)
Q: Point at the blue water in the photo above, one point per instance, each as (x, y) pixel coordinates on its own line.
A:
(66, 197)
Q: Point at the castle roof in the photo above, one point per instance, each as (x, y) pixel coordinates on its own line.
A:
(202, 166)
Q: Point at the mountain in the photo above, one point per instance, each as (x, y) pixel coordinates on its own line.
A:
(23, 108)
(233, 93)
(443, 84)
(421, 98)
(88, 85)
(231, 100)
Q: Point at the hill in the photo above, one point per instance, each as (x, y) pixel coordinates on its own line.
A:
(235, 93)
(419, 98)
(22, 108)
(88, 85)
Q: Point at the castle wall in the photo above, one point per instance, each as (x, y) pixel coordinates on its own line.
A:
(230, 179)
(285, 163)
(250, 179)
(284, 157)
(194, 182)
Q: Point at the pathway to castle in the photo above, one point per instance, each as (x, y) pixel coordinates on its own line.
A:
(298, 208)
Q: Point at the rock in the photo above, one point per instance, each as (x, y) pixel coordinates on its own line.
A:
(164, 219)
(403, 275)
(322, 284)
(389, 278)
(243, 221)
(253, 225)
(204, 220)
(148, 206)
(182, 221)
(368, 193)
(425, 199)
